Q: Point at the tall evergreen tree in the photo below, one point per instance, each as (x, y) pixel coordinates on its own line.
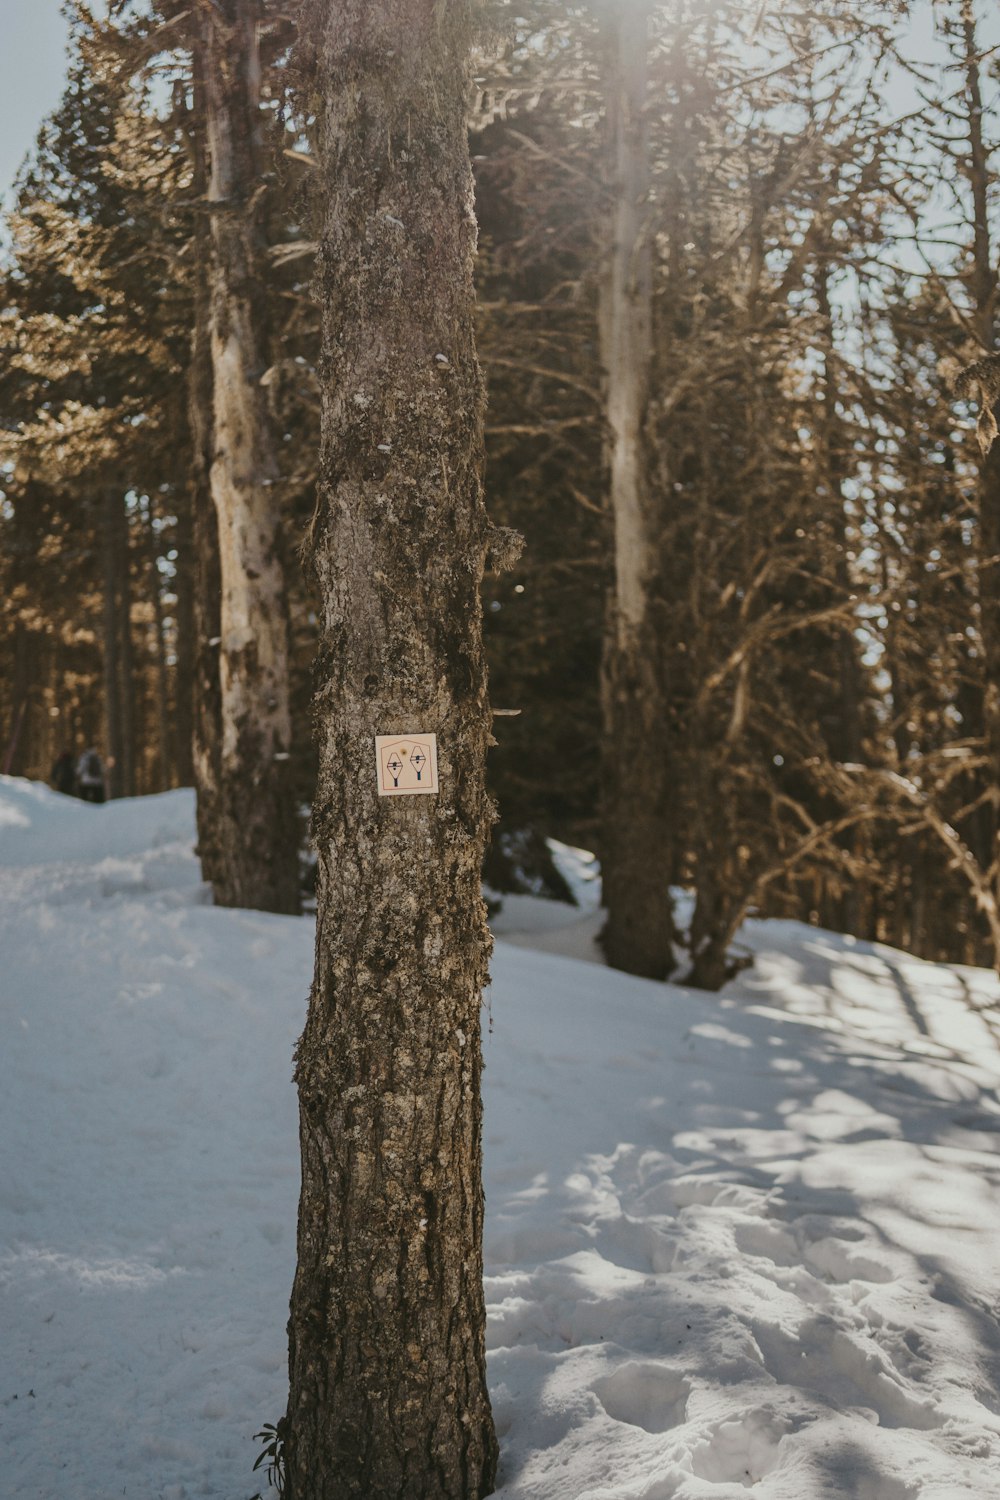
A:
(89, 390)
(387, 1333)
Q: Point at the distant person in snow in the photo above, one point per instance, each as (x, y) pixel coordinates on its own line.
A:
(90, 776)
(63, 774)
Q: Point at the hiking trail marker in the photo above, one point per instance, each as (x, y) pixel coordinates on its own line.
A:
(406, 764)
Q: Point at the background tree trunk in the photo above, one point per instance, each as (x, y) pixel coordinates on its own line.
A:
(258, 844)
(388, 1395)
(20, 703)
(164, 737)
(983, 282)
(182, 737)
(111, 552)
(636, 824)
(205, 688)
(128, 682)
(848, 745)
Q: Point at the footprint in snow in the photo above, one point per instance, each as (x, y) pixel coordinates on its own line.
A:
(836, 1258)
(844, 1371)
(638, 1245)
(884, 1487)
(644, 1394)
(741, 1451)
(768, 1242)
(839, 1263)
(711, 1192)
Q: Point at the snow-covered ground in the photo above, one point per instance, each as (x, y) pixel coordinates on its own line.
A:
(747, 1242)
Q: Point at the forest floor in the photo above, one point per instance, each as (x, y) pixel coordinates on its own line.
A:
(735, 1243)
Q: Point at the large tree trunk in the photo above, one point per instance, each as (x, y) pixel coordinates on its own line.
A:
(636, 840)
(258, 842)
(388, 1395)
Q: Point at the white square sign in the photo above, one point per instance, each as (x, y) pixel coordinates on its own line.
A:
(406, 764)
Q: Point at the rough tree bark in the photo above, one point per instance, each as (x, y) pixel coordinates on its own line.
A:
(257, 843)
(636, 824)
(388, 1395)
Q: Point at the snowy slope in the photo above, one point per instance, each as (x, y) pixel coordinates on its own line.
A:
(737, 1244)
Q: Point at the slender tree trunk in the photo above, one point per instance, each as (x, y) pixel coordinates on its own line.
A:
(164, 738)
(204, 687)
(111, 554)
(258, 844)
(206, 743)
(722, 889)
(20, 701)
(388, 1395)
(989, 624)
(984, 291)
(712, 930)
(165, 758)
(848, 747)
(637, 827)
(182, 735)
(128, 684)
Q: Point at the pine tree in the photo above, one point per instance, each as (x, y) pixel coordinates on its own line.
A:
(388, 1390)
(89, 393)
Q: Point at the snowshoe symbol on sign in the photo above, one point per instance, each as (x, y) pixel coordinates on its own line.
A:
(406, 765)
